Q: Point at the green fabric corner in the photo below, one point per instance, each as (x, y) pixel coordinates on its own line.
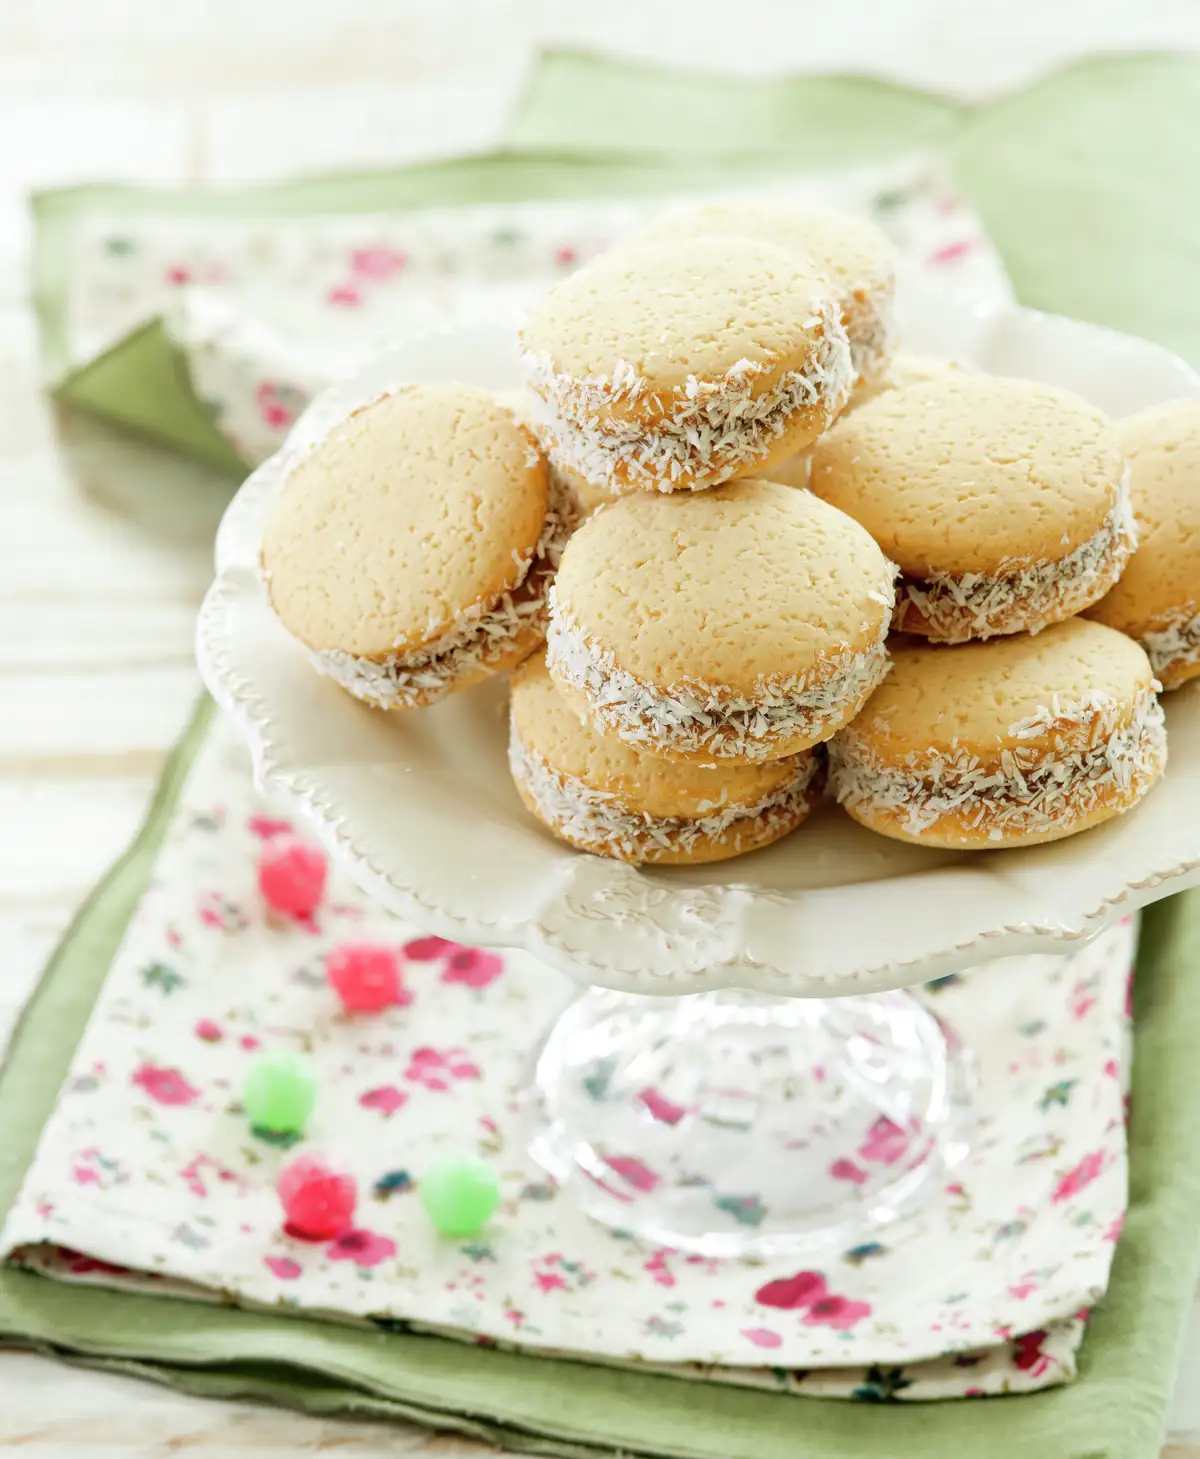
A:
(1087, 185)
(142, 384)
(1115, 1409)
(577, 103)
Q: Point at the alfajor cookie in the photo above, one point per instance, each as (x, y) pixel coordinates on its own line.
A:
(411, 550)
(603, 796)
(1008, 743)
(742, 625)
(1005, 503)
(676, 366)
(851, 253)
(1157, 600)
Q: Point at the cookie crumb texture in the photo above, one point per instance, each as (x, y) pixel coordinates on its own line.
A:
(746, 623)
(1008, 743)
(420, 508)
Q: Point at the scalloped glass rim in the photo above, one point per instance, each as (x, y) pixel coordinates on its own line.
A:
(420, 809)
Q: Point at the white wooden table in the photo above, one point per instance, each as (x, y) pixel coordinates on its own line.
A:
(106, 542)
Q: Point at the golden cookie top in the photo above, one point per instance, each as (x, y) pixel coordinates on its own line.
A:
(1053, 690)
(423, 505)
(640, 330)
(750, 584)
(851, 253)
(973, 473)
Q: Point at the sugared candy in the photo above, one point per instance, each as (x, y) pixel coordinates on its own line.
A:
(364, 975)
(459, 1193)
(318, 1196)
(291, 875)
(280, 1092)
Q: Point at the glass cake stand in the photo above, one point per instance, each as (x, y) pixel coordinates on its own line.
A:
(736, 1124)
(746, 1072)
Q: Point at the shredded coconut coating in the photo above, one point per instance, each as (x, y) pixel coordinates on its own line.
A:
(714, 432)
(1031, 791)
(693, 718)
(1174, 649)
(481, 640)
(871, 326)
(954, 608)
(600, 822)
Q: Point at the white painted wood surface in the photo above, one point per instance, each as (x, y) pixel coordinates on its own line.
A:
(105, 542)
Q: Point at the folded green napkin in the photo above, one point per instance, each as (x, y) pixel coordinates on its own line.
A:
(1116, 1408)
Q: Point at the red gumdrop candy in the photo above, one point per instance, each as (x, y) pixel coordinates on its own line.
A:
(318, 1196)
(364, 975)
(291, 876)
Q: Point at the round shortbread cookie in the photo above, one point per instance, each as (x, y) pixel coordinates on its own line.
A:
(603, 796)
(742, 625)
(851, 253)
(1009, 743)
(411, 550)
(678, 366)
(1004, 502)
(1157, 600)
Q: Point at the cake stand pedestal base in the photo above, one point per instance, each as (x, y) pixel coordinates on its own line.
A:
(730, 1124)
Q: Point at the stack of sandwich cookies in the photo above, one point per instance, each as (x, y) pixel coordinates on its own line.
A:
(1005, 503)
(411, 551)
(677, 366)
(702, 502)
(1008, 743)
(605, 797)
(741, 625)
(851, 254)
(1157, 600)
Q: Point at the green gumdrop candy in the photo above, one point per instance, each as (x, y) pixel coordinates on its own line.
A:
(280, 1092)
(459, 1193)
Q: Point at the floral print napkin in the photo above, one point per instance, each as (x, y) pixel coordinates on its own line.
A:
(148, 1173)
(267, 311)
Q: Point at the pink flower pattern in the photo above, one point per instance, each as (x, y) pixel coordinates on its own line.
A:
(165, 1086)
(364, 1248)
(438, 1069)
(284, 1267)
(843, 1169)
(471, 967)
(376, 263)
(633, 1171)
(387, 1099)
(1080, 1177)
(886, 1142)
(380, 1080)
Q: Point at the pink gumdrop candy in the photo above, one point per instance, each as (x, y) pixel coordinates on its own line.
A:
(364, 975)
(317, 1195)
(291, 876)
